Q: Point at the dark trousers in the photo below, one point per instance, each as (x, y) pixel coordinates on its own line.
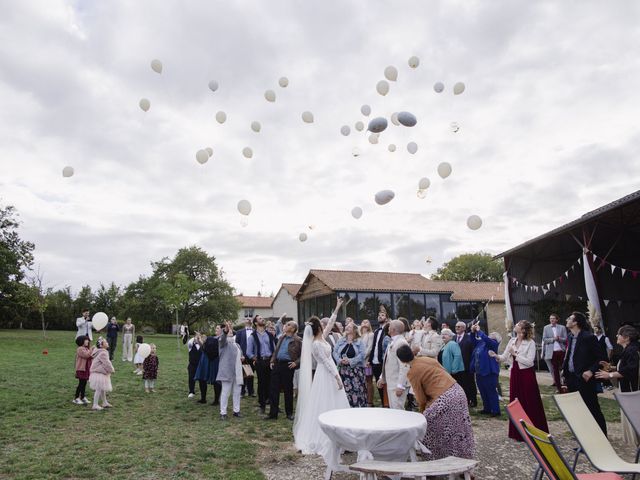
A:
(217, 390)
(281, 377)
(80, 389)
(247, 386)
(376, 369)
(575, 383)
(488, 386)
(556, 361)
(112, 346)
(192, 383)
(469, 386)
(263, 372)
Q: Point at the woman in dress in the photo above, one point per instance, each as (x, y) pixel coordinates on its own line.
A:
(319, 394)
(207, 370)
(349, 355)
(366, 337)
(128, 331)
(521, 354)
(450, 355)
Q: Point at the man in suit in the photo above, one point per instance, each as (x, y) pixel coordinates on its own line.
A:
(486, 369)
(260, 346)
(554, 340)
(84, 325)
(394, 372)
(241, 340)
(581, 363)
(376, 356)
(284, 362)
(467, 345)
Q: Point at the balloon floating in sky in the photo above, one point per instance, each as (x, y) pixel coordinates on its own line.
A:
(438, 87)
(421, 193)
(213, 85)
(156, 65)
(355, 152)
(67, 172)
(412, 147)
(145, 104)
(307, 117)
(407, 119)
(365, 110)
(474, 222)
(247, 152)
(455, 128)
(373, 138)
(384, 196)
(209, 151)
(202, 156)
(444, 169)
(382, 87)
(99, 320)
(270, 96)
(356, 212)
(144, 350)
(221, 117)
(424, 183)
(244, 207)
(377, 125)
(359, 126)
(391, 73)
(414, 62)
(283, 82)
(394, 119)
(255, 126)
(391, 147)
(345, 130)
(458, 88)
(302, 237)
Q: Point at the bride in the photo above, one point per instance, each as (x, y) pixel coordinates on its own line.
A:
(319, 394)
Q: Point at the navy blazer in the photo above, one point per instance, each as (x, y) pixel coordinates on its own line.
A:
(587, 355)
(241, 339)
(466, 347)
(481, 362)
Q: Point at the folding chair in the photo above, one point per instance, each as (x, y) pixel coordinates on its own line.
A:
(630, 405)
(516, 414)
(593, 443)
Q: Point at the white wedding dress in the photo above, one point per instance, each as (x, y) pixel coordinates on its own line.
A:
(316, 397)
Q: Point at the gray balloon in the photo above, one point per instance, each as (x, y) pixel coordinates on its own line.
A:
(407, 119)
(377, 125)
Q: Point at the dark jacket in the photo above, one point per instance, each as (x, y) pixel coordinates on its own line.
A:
(587, 355)
(466, 348)
(241, 340)
(628, 368)
(295, 348)
(112, 330)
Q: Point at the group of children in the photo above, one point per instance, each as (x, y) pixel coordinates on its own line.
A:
(93, 366)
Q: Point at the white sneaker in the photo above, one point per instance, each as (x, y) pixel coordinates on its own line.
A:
(191, 395)
(85, 401)
(97, 407)
(77, 401)
(139, 372)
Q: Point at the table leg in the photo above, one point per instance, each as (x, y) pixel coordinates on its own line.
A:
(327, 473)
(412, 455)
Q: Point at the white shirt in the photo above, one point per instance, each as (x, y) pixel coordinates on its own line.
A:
(376, 341)
(393, 340)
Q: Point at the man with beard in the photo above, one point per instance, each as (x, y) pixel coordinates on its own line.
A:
(260, 347)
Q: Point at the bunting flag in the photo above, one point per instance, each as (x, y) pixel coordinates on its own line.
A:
(619, 303)
(606, 302)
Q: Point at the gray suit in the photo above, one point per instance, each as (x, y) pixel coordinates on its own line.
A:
(554, 362)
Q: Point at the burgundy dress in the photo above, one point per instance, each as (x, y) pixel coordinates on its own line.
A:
(523, 385)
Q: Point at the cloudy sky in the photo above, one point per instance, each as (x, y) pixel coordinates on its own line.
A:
(548, 130)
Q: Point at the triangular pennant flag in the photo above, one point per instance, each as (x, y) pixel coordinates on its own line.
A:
(579, 261)
(554, 283)
(613, 268)
(573, 267)
(544, 291)
(595, 257)
(619, 303)
(602, 263)
(549, 286)
(566, 274)
(526, 288)
(623, 270)
(567, 297)
(606, 302)
(634, 274)
(579, 298)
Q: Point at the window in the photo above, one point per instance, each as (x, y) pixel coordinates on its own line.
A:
(384, 299)
(401, 305)
(248, 312)
(352, 306)
(309, 308)
(367, 308)
(449, 313)
(433, 306)
(465, 311)
(417, 306)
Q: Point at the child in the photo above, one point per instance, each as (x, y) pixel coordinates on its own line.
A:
(195, 351)
(100, 377)
(150, 369)
(137, 359)
(83, 368)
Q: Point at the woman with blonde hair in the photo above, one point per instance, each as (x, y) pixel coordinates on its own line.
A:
(366, 337)
(349, 355)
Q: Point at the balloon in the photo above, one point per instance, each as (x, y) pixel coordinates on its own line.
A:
(355, 152)
(247, 152)
(244, 207)
(283, 82)
(438, 87)
(99, 320)
(307, 117)
(67, 172)
(391, 147)
(213, 85)
(365, 110)
(156, 65)
(458, 88)
(424, 183)
(391, 73)
(270, 95)
(407, 119)
(377, 125)
(356, 212)
(384, 196)
(345, 130)
(412, 147)
(382, 87)
(255, 126)
(144, 349)
(474, 222)
(221, 117)
(373, 138)
(414, 62)
(359, 126)
(145, 104)
(202, 156)
(421, 194)
(454, 127)
(209, 150)
(394, 119)
(302, 237)
(444, 169)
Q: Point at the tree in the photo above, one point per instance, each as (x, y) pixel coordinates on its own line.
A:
(471, 267)
(107, 299)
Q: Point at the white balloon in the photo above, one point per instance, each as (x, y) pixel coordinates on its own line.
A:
(213, 85)
(67, 172)
(144, 350)
(391, 147)
(438, 87)
(156, 65)
(345, 130)
(421, 193)
(283, 82)
(356, 212)
(221, 117)
(99, 320)
(455, 127)
(424, 183)
(384, 196)
(377, 125)
(474, 222)
(382, 87)
(255, 126)
(458, 88)
(407, 119)
(391, 73)
(247, 152)
(145, 104)
(302, 237)
(307, 117)
(394, 119)
(359, 126)
(365, 110)
(209, 150)
(444, 169)
(414, 62)
(270, 95)
(355, 152)
(373, 138)
(244, 207)
(412, 147)
(202, 156)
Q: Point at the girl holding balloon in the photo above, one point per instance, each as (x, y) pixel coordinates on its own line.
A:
(138, 359)
(100, 376)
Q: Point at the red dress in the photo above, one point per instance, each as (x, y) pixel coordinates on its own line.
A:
(523, 385)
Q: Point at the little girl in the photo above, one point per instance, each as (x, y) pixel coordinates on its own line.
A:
(100, 377)
(83, 369)
(150, 369)
(137, 359)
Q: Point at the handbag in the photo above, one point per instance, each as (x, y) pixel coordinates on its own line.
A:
(247, 371)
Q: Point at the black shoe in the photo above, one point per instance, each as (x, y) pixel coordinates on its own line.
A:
(269, 417)
(237, 414)
(202, 400)
(223, 418)
(252, 394)
(215, 403)
(291, 417)
(263, 410)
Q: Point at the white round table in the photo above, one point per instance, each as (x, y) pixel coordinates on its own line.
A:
(375, 433)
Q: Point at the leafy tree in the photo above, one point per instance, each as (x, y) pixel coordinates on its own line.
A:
(84, 299)
(108, 299)
(471, 267)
